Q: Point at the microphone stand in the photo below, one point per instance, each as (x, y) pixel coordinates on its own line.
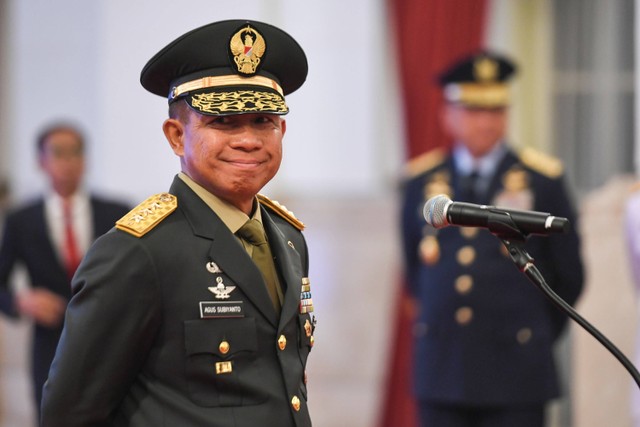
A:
(502, 226)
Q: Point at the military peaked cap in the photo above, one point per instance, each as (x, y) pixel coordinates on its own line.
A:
(229, 67)
(478, 80)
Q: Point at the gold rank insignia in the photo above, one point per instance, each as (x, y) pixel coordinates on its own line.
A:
(281, 210)
(542, 163)
(141, 219)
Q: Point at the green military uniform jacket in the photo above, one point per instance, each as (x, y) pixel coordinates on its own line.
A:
(175, 328)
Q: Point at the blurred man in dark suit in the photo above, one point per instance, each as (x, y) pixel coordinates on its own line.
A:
(484, 334)
(48, 237)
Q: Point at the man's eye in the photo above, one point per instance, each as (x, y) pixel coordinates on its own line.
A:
(222, 120)
(265, 119)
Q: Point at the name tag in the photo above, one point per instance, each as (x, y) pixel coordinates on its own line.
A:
(221, 309)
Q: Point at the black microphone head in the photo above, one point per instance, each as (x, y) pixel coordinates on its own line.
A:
(435, 211)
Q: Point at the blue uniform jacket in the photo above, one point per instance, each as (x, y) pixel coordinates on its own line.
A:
(484, 333)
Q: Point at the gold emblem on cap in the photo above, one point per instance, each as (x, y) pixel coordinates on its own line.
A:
(247, 47)
(485, 70)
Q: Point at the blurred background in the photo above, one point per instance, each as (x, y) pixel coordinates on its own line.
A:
(345, 149)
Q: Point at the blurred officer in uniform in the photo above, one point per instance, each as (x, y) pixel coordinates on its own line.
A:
(483, 333)
(48, 236)
(632, 236)
(195, 310)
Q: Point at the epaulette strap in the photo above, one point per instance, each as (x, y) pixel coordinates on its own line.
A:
(282, 211)
(141, 219)
(424, 162)
(542, 163)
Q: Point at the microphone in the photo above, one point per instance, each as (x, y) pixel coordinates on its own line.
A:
(439, 211)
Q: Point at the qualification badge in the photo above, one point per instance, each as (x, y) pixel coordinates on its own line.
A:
(221, 291)
(213, 268)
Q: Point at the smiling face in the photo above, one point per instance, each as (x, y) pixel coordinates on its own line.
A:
(232, 157)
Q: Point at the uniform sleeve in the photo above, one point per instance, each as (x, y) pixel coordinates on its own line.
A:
(110, 324)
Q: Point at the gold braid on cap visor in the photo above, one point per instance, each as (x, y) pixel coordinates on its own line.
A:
(480, 95)
(229, 101)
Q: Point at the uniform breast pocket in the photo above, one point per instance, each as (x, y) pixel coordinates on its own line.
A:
(221, 361)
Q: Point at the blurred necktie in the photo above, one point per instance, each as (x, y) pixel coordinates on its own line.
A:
(253, 232)
(72, 256)
(470, 192)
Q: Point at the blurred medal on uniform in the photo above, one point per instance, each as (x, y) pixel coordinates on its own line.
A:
(429, 246)
(516, 192)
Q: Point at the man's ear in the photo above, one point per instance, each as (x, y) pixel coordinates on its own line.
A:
(174, 132)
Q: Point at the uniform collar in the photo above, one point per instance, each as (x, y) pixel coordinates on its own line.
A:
(484, 166)
(232, 217)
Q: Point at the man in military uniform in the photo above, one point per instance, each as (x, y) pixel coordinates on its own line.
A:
(483, 333)
(195, 310)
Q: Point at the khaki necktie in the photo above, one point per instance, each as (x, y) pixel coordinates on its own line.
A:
(253, 232)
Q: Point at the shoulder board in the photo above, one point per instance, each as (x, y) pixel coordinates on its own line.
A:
(281, 210)
(141, 219)
(424, 162)
(542, 163)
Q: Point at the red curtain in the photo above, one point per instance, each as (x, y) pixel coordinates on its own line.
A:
(429, 34)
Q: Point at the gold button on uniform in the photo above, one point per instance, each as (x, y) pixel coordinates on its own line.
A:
(224, 347)
(282, 342)
(524, 335)
(464, 284)
(469, 232)
(295, 403)
(466, 255)
(464, 315)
